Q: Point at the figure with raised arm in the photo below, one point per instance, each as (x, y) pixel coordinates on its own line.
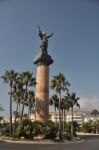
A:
(44, 40)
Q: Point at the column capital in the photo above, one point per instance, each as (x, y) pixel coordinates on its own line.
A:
(43, 59)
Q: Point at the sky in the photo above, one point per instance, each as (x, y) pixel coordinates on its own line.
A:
(74, 45)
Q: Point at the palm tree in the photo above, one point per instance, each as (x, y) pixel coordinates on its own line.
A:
(54, 100)
(17, 95)
(1, 108)
(27, 81)
(64, 106)
(9, 77)
(59, 84)
(30, 102)
(94, 113)
(73, 101)
(1, 119)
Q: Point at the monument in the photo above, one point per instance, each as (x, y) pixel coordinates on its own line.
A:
(43, 60)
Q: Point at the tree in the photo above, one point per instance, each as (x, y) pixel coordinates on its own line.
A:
(27, 81)
(73, 101)
(1, 119)
(64, 106)
(87, 127)
(59, 84)
(9, 77)
(94, 113)
(17, 95)
(54, 100)
(30, 102)
(1, 108)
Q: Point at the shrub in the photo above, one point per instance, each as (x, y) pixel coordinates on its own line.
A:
(49, 130)
(5, 129)
(25, 129)
(67, 136)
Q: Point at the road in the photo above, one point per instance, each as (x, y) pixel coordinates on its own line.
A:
(88, 144)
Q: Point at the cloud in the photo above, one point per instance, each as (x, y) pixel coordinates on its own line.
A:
(88, 104)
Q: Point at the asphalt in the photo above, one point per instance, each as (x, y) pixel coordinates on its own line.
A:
(87, 143)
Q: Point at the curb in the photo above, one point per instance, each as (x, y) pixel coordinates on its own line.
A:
(40, 142)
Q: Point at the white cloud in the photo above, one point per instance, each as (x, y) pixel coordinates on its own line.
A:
(89, 103)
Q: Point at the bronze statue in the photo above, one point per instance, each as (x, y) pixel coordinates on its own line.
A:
(44, 40)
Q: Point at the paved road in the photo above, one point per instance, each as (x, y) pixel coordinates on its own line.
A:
(88, 144)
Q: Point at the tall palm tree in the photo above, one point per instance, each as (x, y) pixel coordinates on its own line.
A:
(17, 95)
(73, 101)
(9, 77)
(1, 108)
(1, 119)
(94, 113)
(30, 102)
(54, 100)
(64, 106)
(27, 81)
(59, 84)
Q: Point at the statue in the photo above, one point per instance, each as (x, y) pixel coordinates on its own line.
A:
(44, 40)
(43, 57)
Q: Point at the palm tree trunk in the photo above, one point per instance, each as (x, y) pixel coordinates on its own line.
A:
(72, 127)
(30, 112)
(35, 113)
(60, 132)
(19, 110)
(96, 125)
(23, 104)
(63, 119)
(22, 110)
(55, 116)
(11, 128)
(15, 118)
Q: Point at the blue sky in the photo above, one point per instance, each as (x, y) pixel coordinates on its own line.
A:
(74, 45)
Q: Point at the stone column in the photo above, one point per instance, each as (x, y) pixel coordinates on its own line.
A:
(42, 92)
(42, 86)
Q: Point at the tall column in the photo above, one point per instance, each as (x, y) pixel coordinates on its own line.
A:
(42, 85)
(42, 92)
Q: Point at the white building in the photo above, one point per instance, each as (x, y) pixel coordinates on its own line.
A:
(77, 116)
